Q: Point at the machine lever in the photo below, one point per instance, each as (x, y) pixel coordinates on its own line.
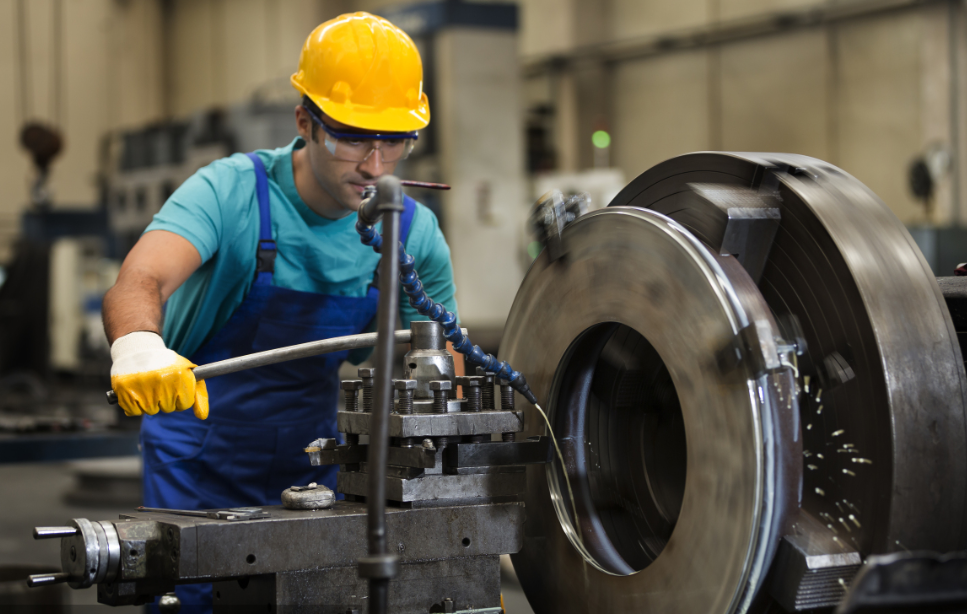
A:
(290, 352)
(52, 532)
(47, 579)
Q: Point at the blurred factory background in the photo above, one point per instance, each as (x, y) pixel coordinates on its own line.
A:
(106, 106)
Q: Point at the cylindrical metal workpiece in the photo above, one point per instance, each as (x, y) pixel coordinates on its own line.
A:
(427, 335)
(350, 386)
(428, 358)
(487, 388)
(366, 375)
(405, 389)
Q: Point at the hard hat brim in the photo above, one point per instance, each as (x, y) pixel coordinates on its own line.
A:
(367, 118)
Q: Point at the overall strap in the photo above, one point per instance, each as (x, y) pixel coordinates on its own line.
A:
(265, 264)
(406, 218)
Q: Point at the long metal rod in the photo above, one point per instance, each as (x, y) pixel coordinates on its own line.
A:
(390, 195)
(290, 352)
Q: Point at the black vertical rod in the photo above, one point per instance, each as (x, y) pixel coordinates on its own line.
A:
(390, 198)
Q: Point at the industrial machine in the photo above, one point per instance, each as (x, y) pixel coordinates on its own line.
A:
(754, 387)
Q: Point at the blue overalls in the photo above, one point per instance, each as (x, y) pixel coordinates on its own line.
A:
(250, 448)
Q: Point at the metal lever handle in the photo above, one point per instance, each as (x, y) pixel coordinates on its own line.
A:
(291, 352)
(47, 579)
(52, 532)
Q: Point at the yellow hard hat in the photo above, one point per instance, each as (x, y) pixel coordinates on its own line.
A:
(365, 72)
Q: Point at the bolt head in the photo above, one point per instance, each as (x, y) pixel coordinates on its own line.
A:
(443, 384)
(405, 384)
(471, 380)
(504, 382)
(367, 372)
(351, 384)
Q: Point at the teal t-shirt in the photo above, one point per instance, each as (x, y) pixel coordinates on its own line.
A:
(216, 209)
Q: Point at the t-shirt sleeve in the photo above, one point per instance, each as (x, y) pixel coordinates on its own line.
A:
(432, 255)
(194, 212)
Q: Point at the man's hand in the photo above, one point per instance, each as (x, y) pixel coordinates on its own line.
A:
(148, 377)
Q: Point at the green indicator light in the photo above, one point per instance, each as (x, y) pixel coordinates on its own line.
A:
(534, 250)
(601, 139)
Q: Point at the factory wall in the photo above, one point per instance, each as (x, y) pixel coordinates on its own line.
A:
(868, 91)
(86, 66)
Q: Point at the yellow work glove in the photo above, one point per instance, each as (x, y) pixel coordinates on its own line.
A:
(147, 377)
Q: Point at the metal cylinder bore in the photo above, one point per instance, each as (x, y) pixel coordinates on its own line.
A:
(487, 388)
(366, 375)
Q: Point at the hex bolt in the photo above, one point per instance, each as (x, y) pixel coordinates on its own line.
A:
(487, 388)
(350, 386)
(405, 388)
(441, 393)
(449, 605)
(366, 375)
(441, 390)
(472, 391)
(507, 404)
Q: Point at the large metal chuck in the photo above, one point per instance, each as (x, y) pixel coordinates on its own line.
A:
(755, 382)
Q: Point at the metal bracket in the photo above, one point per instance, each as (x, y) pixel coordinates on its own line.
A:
(736, 221)
(551, 214)
(812, 567)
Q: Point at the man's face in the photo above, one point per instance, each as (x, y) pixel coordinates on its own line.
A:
(343, 180)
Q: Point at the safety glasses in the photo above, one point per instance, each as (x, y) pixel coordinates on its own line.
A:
(355, 147)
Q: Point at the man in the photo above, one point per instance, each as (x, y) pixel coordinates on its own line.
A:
(259, 251)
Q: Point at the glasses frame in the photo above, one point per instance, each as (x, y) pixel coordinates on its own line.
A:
(361, 136)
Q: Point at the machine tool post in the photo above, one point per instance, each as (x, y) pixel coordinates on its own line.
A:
(405, 389)
(379, 566)
(424, 305)
(366, 376)
(441, 395)
(507, 404)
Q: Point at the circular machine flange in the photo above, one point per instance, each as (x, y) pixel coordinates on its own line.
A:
(680, 492)
(882, 383)
(886, 450)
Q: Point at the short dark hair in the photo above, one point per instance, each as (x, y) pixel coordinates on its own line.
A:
(307, 103)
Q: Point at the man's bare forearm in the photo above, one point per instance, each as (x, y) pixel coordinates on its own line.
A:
(156, 266)
(133, 304)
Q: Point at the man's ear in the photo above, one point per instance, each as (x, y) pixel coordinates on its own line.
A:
(303, 123)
